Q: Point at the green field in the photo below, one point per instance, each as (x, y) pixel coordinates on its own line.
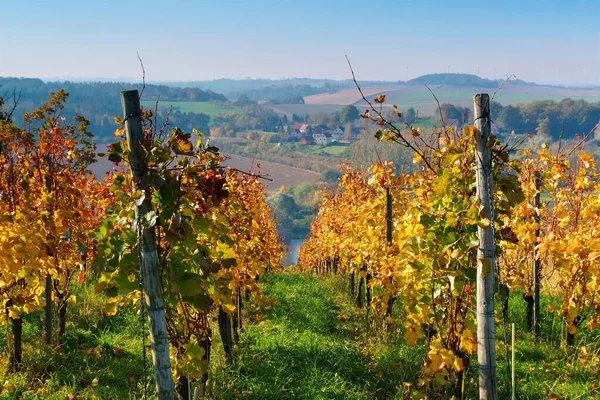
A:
(336, 150)
(210, 109)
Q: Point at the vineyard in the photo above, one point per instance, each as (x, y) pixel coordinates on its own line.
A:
(129, 277)
(178, 239)
(428, 252)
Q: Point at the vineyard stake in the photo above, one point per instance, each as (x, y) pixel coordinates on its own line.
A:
(486, 254)
(536, 259)
(148, 252)
(512, 387)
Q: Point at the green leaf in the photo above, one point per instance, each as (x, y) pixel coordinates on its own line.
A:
(187, 284)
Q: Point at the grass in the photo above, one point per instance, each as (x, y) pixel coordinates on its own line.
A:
(100, 357)
(305, 348)
(336, 150)
(204, 107)
(313, 343)
(307, 340)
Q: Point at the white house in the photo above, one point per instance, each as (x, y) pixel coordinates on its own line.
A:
(322, 139)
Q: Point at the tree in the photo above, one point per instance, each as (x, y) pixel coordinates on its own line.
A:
(348, 114)
(348, 130)
(410, 115)
(331, 176)
(509, 118)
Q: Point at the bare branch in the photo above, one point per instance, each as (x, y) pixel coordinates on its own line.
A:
(383, 121)
(143, 75)
(508, 78)
(439, 108)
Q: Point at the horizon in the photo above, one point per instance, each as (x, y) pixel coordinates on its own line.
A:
(544, 42)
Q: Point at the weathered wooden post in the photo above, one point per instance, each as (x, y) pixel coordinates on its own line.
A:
(388, 238)
(225, 327)
(536, 259)
(486, 254)
(48, 282)
(148, 252)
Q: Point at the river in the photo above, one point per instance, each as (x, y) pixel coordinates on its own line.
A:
(291, 257)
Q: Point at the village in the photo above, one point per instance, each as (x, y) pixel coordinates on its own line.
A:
(320, 135)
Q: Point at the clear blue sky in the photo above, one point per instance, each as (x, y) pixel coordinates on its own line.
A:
(549, 41)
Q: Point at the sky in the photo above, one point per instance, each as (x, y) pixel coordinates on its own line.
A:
(543, 41)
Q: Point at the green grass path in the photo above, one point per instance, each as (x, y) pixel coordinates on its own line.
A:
(301, 350)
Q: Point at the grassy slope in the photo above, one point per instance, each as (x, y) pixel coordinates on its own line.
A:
(305, 348)
(312, 343)
(308, 342)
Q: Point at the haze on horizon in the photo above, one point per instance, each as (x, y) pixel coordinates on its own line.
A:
(542, 41)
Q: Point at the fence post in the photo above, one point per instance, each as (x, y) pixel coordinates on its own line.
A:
(149, 266)
(48, 282)
(388, 238)
(536, 259)
(486, 254)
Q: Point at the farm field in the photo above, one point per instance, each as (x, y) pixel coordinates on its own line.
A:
(421, 99)
(281, 175)
(347, 96)
(203, 107)
(332, 150)
(303, 109)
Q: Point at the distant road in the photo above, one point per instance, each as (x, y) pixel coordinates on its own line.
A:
(282, 175)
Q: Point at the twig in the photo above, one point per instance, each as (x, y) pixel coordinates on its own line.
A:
(402, 141)
(508, 78)
(247, 173)
(583, 139)
(143, 74)
(439, 107)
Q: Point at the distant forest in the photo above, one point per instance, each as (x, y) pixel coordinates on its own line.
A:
(546, 118)
(99, 102)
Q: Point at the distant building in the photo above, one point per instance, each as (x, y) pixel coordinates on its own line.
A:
(306, 140)
(337, 134)
(296, 126)
(294, 134)
(322, 139)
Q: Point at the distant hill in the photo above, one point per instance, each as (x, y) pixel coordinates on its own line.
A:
(283, 89)
(275, 89)
(463, 80)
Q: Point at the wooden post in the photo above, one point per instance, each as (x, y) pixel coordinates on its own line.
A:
(536, 259)
(388, 216)
(48, 287)
(224, 321)
(48, 309)
(388, 238)
(486, 254)
(148, 252)
(512, 364)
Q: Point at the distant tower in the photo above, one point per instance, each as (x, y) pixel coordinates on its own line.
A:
(406, 73)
